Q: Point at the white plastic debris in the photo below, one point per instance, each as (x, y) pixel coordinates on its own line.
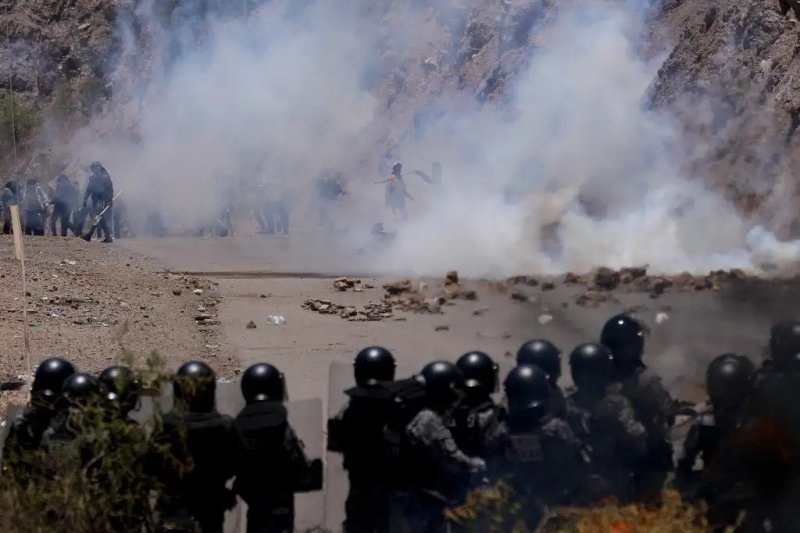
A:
(71, 263)
(276, 320)
(661, 318)
(545, 318)
(198, 291)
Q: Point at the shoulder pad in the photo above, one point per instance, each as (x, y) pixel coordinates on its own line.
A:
(378, 392)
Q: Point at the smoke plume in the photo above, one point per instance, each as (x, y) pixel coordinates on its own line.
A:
(568, 171)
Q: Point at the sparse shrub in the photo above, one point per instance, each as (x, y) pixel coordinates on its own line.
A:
(18, 118)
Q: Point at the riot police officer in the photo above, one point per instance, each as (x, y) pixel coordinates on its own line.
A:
(271, 464)
(624, 337)
(728, 379)
(78, 392)
(477, 415)
(122, 389)
(442, 470)
(614, 439)
(541, 456)
(547, 356)
(27, 430)
(195, 431)
(358, 433)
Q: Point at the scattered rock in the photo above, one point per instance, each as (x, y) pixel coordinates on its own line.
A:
(684, 279)
(402, 286)
(545, 318)
(262, 295)
(523, 280)
(548, 286)
(480, 312)
(573, 279)
(442, 328)
(590, 299)
(451, 278)
(251, 325)
(342, 284)
(177, 292)
(519, 296)
(661, 318)
(606, 279)
(661, 285)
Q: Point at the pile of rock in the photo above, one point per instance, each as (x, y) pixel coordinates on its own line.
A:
(369, 312)
(345, 284)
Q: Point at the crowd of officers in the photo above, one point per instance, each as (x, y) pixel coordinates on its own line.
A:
(62, 205)
(416, 446)
(258, 448)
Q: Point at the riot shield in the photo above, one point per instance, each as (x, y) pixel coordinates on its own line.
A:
(306, 418)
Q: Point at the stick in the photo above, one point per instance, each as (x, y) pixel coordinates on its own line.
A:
(19, 249)
(97, 218)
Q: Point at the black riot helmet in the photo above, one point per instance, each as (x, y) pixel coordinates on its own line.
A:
(397, 168)
(784, 343)
(263, 382)
(479, 372)
(48, 380)
(80, 390)
(592, 367)
(528, 392)
(195, 386)
(122, 387)
(728, 379)
(442, 383)
(624, 336)
(373, 365)
(544, 354)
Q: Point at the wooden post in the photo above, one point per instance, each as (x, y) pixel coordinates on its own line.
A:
(19, 253)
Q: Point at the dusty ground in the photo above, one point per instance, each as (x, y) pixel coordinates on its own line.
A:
(91, 303)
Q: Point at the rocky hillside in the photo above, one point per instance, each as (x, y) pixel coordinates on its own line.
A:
(729, 75)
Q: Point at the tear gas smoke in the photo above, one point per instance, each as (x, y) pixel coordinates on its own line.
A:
(569, 173)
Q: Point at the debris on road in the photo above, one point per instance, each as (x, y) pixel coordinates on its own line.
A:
(198, 291)
(523, 280)
(661, 318)
(177, 292)
(545, 318)
(451, 278)
(342, 284)
(251, 325)
(519, 296)
(442, 328)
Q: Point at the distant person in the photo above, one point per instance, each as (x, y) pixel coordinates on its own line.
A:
(64, 200)
(396, 193)
(34, 203)
(100, 190)
(8, 196)
(329, 190)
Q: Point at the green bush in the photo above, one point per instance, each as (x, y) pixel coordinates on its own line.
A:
(102, 481)
(18, 118)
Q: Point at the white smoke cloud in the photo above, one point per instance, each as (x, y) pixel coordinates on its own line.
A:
(570, 173)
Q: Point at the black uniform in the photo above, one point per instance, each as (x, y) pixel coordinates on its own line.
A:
(271, 467)
(624, 337)
(64, 201)
(541, 457)
(34, 204)
(195, 433)
(200, 493)
(100, 190)
(8, 197)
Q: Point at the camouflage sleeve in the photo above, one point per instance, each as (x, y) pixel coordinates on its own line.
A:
(657, 396)
(691, 450)
(616, 412)
(564, 467)
(430, 437)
